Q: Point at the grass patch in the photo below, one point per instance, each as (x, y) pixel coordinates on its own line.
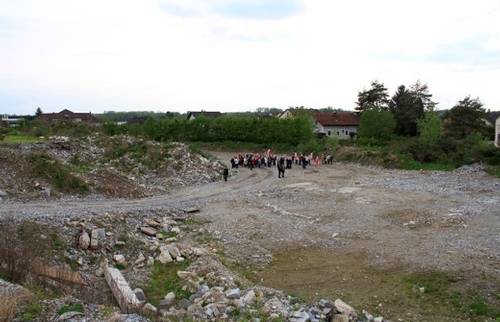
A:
(19, 139)
(408, 163)
(493, 170)
(163, 280)
(31, 312)
(42, 165)
(74, 307)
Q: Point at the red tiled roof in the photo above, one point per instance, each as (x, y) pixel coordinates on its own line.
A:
(336, 119)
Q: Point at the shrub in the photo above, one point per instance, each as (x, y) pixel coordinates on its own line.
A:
(58, 175)
(430, 129)
(376, 124)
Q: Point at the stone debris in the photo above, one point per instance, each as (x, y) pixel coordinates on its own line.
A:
(149, 231)
(126, 298)
(84, 240)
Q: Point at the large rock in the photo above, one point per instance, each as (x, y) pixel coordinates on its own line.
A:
(340, 318)
(149, 231)
(84, 240)
(233, 293)
(97, 236)
(345, 309)
(120, 259)
(164, 257)
(299, 316)
(174, 251)
(126, 298)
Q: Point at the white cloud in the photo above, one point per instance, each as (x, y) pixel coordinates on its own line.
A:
(143, 54)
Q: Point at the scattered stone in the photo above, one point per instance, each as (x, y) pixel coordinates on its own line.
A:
(233, 293)
(174, 251)
(149, 231)
(84, 240)
(69, 315)
(126, 298)
(248, 298)
(120, 243)
(149, 309)
(140, 259)
(179, 259)
(151, 261)
(192, 210)
(176, 230)
(340, 318)
(3, 194)
(164, 257)
(139, 293)
(378, 319)
(97, 235)
(120, 259)
(153, 223)
(344, 308)
(167, 302)
(299, 316)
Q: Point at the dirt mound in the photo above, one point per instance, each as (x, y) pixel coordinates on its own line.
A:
(100, 166)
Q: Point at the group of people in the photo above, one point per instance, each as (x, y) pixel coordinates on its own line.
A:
(268, 159)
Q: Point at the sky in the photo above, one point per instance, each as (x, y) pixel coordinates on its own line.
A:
(237, 55)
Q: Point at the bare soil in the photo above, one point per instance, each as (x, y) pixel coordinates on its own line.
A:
(341, 230)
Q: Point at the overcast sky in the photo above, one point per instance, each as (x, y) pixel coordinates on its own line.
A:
(229, 55)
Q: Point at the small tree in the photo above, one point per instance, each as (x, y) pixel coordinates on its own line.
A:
(430, 129)
(465, 118)
(375, 98)
(376, 124)
(38, 112)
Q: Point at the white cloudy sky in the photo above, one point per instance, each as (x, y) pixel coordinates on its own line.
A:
(239, 54)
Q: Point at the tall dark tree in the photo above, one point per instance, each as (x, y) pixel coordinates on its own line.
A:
(465, 118)
(421, 93)
(38, 112)
(375, 98)
(408, 109)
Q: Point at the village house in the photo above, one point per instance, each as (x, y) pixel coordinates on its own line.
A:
(343, 125)
(194, 115)
(68, 116)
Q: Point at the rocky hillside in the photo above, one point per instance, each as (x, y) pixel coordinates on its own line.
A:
(99, 166)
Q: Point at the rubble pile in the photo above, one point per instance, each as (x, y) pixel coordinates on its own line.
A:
(119, 166)
(116, 253)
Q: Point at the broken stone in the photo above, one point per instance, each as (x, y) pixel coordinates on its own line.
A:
(378, 319)
(69, 315)
(299, 316)
(84, 240)
(148, 231)
(164, 257)
(344, 308)
(126, 298)
(192, 210)
(153, 223)
(248, 298)
(120, 259)
(233, 293)
(167, 302)
(149, 309)
(151, 261)
(140, 259)
(179, 259)
(174, 251)
(139, 293)
(340, 318)
(175, 230)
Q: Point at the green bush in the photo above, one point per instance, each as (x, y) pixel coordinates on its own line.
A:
(376, 124)
(58, 175)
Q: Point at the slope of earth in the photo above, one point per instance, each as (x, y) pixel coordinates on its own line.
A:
(99, 166)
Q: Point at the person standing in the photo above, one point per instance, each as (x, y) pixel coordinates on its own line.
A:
(225, 173)
(281, 168)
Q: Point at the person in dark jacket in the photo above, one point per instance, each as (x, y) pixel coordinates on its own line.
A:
(281, 168)
(225, 173)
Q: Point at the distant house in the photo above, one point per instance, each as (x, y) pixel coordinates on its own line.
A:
(194, 115)
(497, 132)
(292, 112)
(343, 125)
(9, 121)
(68, 116)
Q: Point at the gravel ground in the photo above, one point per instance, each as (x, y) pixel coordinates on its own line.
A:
(425, 220)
